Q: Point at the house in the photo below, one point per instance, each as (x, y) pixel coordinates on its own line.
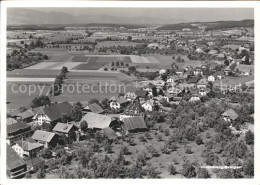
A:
(199, 50)
(18, 131)
(52, 114)
(27, 149)
(202, 83)
(130, 96)
(226, 70)
(170, 80)
(134, 109)
(245, 70)
(221, 56)
(162, 71)
(10, 121)
(27, 116)
(69, 130)
(211, 78)
(176, 100)
(97, 121)
(141, 94)
(194, 97)
(34, 164)
(218, 75)
(213, 52)
(48, 139)
(198, 71)
(153, 46)
(179, 71)
(164, 109)
(118, 102)
(95, 108)
(15, 165)
(133, 124)
(148, 105)
(229, 115)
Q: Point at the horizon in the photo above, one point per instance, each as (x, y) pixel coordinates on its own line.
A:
(114, 15)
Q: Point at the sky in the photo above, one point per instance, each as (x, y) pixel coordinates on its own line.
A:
(195, 14)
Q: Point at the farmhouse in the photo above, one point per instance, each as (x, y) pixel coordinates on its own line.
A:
(118, 102)
(148, 105)
(48, 139)
(134, 109)
(52, 114)
(15, 165)
(18, 131)
(27, 149)
(202, 83)
(133, 124)
(130, 96)
(97, 121)
(230, 115)
(211, 78)
(27, 116)
(69, 130)
(95, 108)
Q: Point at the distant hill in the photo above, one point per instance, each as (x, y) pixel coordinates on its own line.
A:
(179, 26)
(230, 24)
(209, 25)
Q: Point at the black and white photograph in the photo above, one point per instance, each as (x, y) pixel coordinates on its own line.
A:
(129, 93)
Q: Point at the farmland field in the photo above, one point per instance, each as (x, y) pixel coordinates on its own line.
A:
(116, 43)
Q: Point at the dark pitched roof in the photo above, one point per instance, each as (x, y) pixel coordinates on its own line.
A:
(133, 123)
(17, 126)
(141, 93)
(13, 160)
(54, 111)
(27, 114)
(95, 108)
(133, 109)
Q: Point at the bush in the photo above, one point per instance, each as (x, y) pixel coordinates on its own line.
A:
(159, 138)
(199, 140)
(188, 149)
(172, 169)
(166, 132)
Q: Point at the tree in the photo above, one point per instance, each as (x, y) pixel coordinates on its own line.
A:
(41, 174)
(84, 125)
(105, 104)
(188, 170)
(248, 167)
(202, 173)
(64, 118)
(92, 101)
(45, 57)
(22, 109)
(76, 112)
(178, 59)
(41, 101)
(249, 137)
(172, 169)
(64, 69)
(129, 38)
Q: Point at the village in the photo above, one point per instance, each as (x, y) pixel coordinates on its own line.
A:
(189, 101)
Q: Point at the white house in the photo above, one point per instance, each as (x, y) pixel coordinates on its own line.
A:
(148, 105)
(194, 98)
(211, 78)
(162, 71)
(153, 46)
(27, 149)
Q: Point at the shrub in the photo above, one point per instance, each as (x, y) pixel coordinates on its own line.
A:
(172, 169)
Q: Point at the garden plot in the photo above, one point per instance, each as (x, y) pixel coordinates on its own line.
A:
(42, 65)
(69, 65)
